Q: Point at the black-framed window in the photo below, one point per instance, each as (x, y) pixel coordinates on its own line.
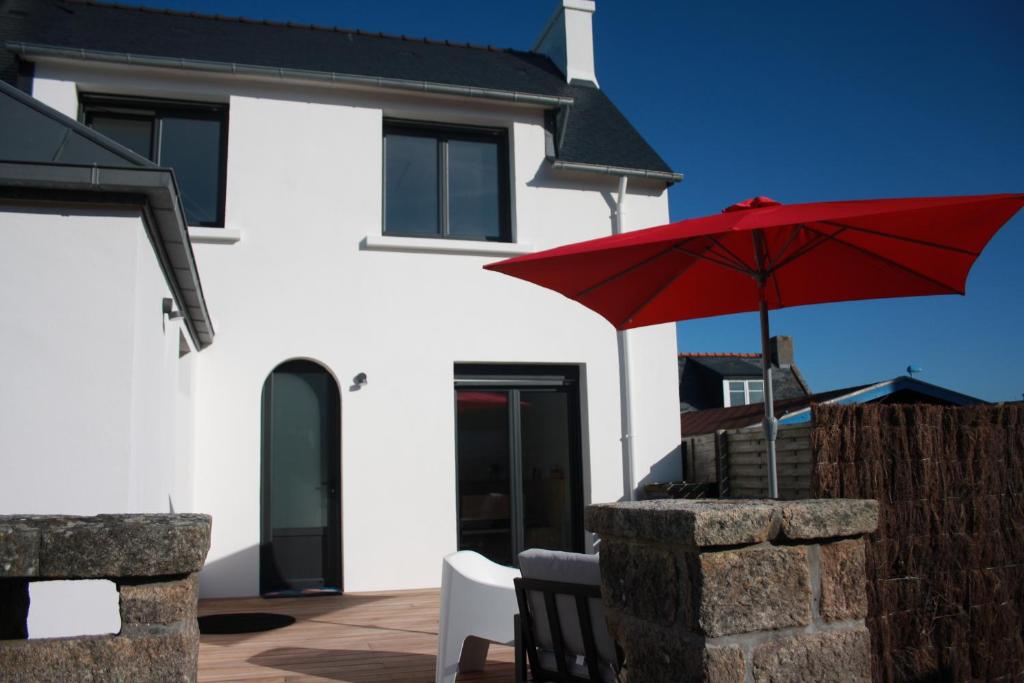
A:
(446, 181)
(190, 137)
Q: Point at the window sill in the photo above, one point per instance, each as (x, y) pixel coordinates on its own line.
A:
(443, 246)
(214, 235)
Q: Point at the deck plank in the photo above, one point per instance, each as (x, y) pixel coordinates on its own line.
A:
(355, 638)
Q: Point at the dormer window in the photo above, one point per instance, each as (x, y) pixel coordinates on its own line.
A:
(446, 181)
(189, 137)
(741, 392)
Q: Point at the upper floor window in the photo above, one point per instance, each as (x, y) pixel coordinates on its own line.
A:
(446, 181)
(741, 392)
(189, 137)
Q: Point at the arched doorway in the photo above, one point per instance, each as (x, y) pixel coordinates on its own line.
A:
(300, 531)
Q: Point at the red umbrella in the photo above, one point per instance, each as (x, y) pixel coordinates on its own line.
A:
(763, 255)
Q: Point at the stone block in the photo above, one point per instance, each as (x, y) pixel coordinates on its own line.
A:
(162, 602)
(642, 581)
(753, 589)
(691, 523)
(19, 550)
(718, 664)
(656, 654)
(843, 590)
(829, 656)
(167, 656)
(110, 546)
(828, 518)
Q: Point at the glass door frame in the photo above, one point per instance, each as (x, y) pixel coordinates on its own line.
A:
(512, 380)
(333, 574)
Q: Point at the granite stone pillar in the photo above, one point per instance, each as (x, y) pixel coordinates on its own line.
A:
(737, 591)
(153, 560)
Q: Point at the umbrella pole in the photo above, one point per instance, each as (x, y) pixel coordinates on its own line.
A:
(770, 424)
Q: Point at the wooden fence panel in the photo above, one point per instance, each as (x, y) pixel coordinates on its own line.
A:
(747, 461)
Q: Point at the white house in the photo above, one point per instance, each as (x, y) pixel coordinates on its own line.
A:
(281, 318)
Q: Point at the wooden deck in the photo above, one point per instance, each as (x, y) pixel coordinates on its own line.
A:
(356, 637)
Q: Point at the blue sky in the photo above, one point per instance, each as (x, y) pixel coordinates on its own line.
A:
(801, 101)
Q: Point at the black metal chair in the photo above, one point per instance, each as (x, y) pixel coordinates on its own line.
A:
(561, 631)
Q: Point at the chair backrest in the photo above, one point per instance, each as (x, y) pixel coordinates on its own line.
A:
(564, 631)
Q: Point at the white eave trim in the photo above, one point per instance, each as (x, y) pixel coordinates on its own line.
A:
(30, 50)
(443, 246)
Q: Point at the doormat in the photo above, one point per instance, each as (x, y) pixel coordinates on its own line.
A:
(243, 622)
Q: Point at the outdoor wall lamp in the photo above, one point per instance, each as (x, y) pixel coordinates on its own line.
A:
(359, 380)
(168, 307)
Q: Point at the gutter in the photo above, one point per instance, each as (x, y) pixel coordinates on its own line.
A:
(32, 50)
(29, 50)
(669, 177)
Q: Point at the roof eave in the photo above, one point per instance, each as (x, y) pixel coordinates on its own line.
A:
(669, 177)
(164, 220)
(32, 50)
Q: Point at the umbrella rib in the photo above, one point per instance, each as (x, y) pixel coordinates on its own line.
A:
(718, 262)
(785, 247)
(912, 240)
(819, 239)
(622, 273)
(671, 281)
(729, 252)
(629, 318)
(888, 261)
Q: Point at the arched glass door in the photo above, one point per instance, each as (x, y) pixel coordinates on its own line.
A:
(300, 539)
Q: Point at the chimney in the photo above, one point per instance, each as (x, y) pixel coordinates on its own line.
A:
(568, 39)
(781, 349)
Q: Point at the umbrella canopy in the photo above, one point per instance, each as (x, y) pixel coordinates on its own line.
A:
(762, 255)
(804, 253)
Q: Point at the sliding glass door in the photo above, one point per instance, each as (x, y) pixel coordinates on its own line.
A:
(518, 460)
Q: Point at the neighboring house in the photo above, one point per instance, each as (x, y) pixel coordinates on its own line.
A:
(324, 200)
(722, 380)
(712, 438)
(724, 448)
(798, 410)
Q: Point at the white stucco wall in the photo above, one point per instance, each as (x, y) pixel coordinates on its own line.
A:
(304, 191)
(91, 414)
(90, 367)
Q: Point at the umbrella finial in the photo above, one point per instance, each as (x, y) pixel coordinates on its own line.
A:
(752, 203)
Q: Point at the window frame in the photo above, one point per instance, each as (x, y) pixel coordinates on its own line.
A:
(726, 400)
(444, 133)
(154, 110)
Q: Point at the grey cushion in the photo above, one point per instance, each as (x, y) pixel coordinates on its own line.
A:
(554, 565)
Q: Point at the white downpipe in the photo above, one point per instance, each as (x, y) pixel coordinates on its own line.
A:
(625, 386)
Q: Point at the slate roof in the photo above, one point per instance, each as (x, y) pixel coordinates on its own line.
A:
(595, 131)
(701, 375)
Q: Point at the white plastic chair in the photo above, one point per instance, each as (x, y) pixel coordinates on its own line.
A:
(478, 604)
